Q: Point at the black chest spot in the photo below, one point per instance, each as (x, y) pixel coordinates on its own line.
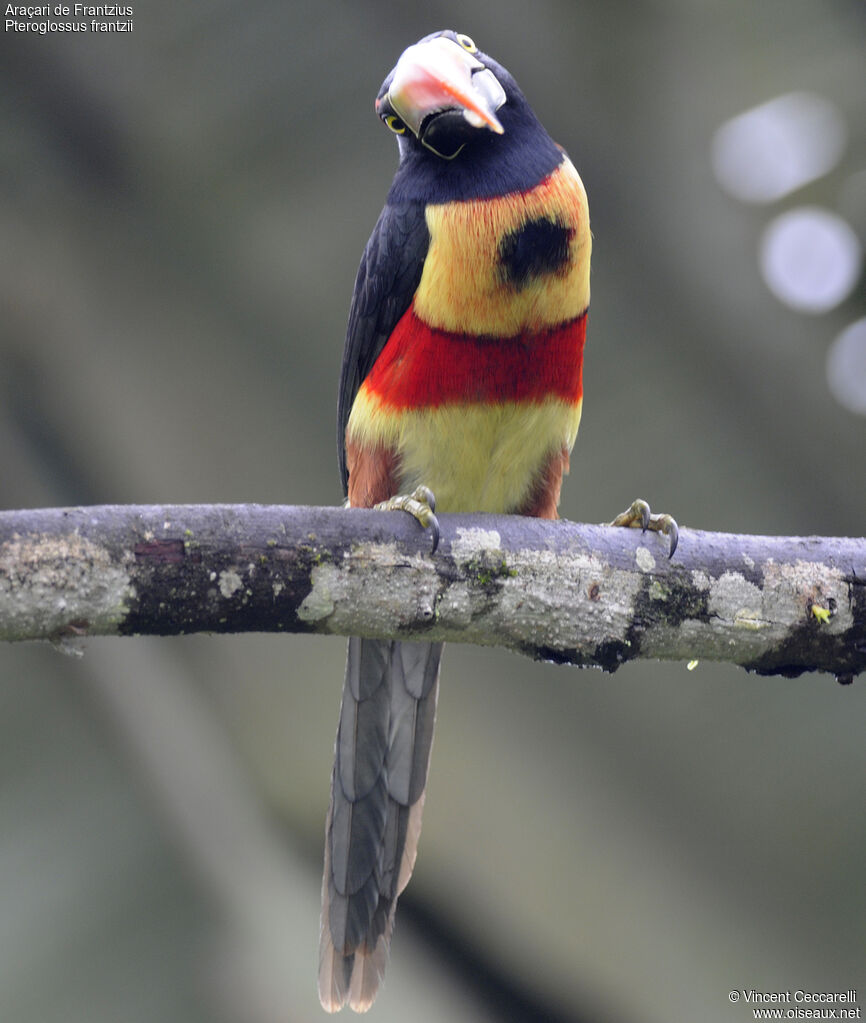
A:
(537, 248)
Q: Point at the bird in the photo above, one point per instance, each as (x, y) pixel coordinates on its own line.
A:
(461, 390)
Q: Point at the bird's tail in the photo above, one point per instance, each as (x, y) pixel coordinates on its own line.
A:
(374, 818)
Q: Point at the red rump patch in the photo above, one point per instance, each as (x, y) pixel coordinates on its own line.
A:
(422, 366)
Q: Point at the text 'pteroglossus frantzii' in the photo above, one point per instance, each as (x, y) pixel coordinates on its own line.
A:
(462, 373)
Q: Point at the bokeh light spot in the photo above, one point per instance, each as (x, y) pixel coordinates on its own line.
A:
(810, 259)
(852, 202)
(846, 368)
(773, 149)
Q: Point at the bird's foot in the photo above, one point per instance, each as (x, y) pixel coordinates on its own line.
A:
(639, 516)
(421, 505)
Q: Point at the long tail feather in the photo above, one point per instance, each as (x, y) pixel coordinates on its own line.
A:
(374, 819)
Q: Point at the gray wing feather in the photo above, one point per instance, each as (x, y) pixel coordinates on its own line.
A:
(387, 279)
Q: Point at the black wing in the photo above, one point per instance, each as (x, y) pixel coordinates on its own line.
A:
(387, 279)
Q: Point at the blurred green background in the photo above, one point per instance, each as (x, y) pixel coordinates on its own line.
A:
(182, 210)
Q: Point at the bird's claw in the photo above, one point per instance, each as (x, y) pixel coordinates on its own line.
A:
(639, 516)
(421, 505)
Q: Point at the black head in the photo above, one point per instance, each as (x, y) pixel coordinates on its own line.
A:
(463, 126)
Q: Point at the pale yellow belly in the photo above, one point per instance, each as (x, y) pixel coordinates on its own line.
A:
(482, 457)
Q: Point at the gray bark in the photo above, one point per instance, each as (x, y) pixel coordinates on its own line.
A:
(560, 591)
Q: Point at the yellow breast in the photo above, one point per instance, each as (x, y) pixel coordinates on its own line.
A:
(461, 287)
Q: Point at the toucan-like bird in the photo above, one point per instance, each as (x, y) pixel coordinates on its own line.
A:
(462, 373)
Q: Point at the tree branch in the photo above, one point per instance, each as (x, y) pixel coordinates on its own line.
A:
(560, 591)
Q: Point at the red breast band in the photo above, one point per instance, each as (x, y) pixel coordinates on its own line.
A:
(421, 366)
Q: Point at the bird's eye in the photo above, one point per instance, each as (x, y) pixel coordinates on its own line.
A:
(466, 43)
(395, 124)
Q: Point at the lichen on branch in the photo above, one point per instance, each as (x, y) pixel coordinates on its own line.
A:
(561, 591)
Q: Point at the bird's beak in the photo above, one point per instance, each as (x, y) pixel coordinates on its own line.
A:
(440, 75)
